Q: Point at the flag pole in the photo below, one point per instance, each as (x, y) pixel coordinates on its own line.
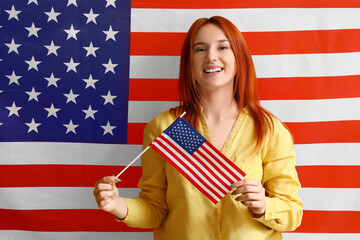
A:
(138, 156)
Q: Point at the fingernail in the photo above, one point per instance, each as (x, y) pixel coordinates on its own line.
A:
(117, 180)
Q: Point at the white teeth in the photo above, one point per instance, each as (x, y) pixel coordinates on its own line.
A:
(213, 70)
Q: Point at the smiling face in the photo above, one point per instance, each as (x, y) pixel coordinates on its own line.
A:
(213, 59)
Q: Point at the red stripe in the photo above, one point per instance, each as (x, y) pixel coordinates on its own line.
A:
(236, 170)
(309, 88)
(329, 176)
(295, 88)
(165, 156)
(209, 176)
(260, 43)
(78, 220)
(86, 176)
(330, 222)
(64, 175)
(62, 221)
(325, 132)
(153, 90)
(215, 4)
(304, 132)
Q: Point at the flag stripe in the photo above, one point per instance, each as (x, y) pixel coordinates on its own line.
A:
(248, 20)
(15, 234)
(267, 66)
(304, 133)
(306, 88)
(318, 110)
(324, 154)
(37, 198)
(259, 43)
(75, 220)
(64, 175)
(310, 176)
(28, 235)
(184, 4)
(335, 154)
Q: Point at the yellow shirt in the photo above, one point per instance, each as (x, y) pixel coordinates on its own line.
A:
(171, 205)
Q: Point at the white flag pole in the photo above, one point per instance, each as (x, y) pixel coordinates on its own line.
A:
(117, 176)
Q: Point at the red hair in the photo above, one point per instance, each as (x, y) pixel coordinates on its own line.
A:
(245, 82)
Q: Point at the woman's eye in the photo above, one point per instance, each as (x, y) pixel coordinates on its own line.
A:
(224, 47)
(200, 50)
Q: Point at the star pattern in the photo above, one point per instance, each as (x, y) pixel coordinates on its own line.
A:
(55, 81)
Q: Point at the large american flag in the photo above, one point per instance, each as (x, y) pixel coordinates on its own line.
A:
(73, 103)
(210, 171)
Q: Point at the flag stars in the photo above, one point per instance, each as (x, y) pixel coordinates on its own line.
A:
(90, 50)
(33, 126)
(70, 127)
(52, 15)
(109, 66)
(109, 98)
(110, 34)
(33, 64)
(73, 2)
(52, 80)
(90, 82)
(14, 110)
(13, 47)
(71, 97)
(52, 49)
(71, 65)
(90, 112)
(52, 111)
(108, 128)
(71, 32)
(110, 3)
(13, 13)
(33, 30)
(91, 16)
(33, 1)
(13, 78)
(33, 95)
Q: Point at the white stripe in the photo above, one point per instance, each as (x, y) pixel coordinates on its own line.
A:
(187, 172)
(36, 198)
(248, 20)
(145, 111)
(13, 153)
(330, 199)
(26, 198)
(286, 110)
(212, 168)
(218, 165)
(314, 110)
(334, 154)
(29, 235)
(223, 160)
(199, 165)
(267, 66)
(321, 236)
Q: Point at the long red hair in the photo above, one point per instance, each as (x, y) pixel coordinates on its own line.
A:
(245, 82)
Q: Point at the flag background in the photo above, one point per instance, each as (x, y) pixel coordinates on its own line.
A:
(307, 56)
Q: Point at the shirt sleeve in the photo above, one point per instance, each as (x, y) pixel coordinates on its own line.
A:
(150, 208)
(280, 180)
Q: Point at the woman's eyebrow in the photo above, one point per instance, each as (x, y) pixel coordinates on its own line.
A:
(202, 43)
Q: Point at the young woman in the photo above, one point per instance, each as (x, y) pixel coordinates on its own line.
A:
(218, 90)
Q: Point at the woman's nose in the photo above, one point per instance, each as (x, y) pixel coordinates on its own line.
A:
(211, 55)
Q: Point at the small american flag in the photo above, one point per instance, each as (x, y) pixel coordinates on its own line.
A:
(197, 160)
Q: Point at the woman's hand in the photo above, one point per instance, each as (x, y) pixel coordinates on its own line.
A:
(252, 196)
(107, 197)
